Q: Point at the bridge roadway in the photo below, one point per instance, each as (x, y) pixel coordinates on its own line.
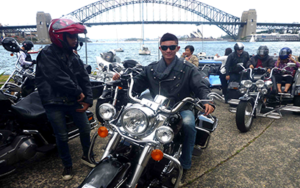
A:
(267, 156)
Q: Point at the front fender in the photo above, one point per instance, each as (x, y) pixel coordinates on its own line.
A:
(106, 173)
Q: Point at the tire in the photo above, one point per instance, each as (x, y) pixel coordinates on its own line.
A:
(243, 116)
(297, 103)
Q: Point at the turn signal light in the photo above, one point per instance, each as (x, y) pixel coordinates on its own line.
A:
(235, 88)
(157, 155)
(120, 87)
(11, 54)
(102, 132)
(90, 118)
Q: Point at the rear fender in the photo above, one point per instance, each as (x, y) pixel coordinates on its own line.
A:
(108, 173)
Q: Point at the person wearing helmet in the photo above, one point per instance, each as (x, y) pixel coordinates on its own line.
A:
(261, 59)
(231, 67)
(238, 56)
(25, 58)
(64, 87)
(285, 56)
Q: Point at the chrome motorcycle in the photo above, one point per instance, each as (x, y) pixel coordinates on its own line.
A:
(261, 99)
(145, 143)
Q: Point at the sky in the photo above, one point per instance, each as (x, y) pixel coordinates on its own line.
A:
(24, 13)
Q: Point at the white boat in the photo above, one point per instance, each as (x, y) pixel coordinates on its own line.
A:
(144, 50)
(119, 50)
(252, 39)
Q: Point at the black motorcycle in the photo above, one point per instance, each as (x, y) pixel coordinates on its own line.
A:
(145, 143)
(25, 130)
(115, 92)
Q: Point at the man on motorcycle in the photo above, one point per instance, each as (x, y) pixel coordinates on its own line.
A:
(176, 79)
(262, 59)
(64, 87)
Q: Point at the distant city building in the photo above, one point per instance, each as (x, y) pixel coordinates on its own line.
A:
(274, 37)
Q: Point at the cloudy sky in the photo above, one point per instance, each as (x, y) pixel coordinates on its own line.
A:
(20, 12)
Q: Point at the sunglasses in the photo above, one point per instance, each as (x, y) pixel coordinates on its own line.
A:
(172, 47)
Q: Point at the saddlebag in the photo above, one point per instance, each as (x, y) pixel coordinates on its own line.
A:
(204, 126)
(107, 174)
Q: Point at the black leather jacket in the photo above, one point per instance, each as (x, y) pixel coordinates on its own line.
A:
(59, 79)
(268, 62)
(179, 80)
(232, 61)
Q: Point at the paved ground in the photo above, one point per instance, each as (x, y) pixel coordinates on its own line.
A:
(267, 156)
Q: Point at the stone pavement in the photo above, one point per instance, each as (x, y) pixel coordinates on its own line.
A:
(266, 156)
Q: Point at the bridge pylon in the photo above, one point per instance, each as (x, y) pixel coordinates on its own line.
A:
(249, 17)
(42, 22)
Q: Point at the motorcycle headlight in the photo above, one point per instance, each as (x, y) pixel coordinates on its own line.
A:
(243, 90)
(264, 91)
(246, 83)
(134, 121)
(164, 134)
(107, 111)
(260, 83)
(269, 84)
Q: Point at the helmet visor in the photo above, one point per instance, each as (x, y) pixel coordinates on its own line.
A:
(64, 22)
(261, 52)
(284, 52)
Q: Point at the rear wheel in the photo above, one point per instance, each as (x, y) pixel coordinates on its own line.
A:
(243, 116)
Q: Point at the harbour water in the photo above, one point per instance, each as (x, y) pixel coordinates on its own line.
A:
(131, 49)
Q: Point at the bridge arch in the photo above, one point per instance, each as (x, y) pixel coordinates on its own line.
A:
(203, 10)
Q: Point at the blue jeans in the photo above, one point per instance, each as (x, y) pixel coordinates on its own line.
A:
(56, 116)
(189, 137)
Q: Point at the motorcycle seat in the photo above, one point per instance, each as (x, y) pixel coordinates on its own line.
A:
(30, 108)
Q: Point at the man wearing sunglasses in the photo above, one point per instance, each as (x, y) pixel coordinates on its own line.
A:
(176, 79)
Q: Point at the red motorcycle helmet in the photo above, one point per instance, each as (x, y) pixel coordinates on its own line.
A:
(65, 24)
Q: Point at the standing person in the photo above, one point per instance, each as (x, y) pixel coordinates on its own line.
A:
(285, 57)
(174, 78)
(261, 59)
(188, 55)
(223, 59)
(64, 87)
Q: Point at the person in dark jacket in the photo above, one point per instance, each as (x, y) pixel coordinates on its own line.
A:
(231, 67)
(64, 87)
(175, 78)
(261, 59)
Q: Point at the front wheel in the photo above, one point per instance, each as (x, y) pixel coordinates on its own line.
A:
(243, 116)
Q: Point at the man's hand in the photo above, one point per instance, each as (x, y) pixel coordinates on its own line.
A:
(208, 109)
(81, 97)
(251, 67)
(187, 58)
(217, 55)
(269, 70)
(85, 107)
(227, 77)
(116, 76)
(291, 58)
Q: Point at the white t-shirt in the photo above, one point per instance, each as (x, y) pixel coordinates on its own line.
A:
(22, 60)
(223, 59)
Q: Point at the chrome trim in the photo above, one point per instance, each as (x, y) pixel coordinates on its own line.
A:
(207, 140)
(143, 161)
(115, 97)
(112, 144)
(17, 145)
(215, 95)
(35, 132)
(178, 164)
(234, 101)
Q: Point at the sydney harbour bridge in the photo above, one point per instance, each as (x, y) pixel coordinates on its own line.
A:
(124, 12)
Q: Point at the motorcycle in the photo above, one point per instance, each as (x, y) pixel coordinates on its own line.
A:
(108, 63)
(115, 92)
(15, 86)
(25, 130)
(145, 143)
(260, 97)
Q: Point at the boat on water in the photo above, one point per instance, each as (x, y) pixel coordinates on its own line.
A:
(252, 39)
(144, 50)
(35, 52)
(119, 50)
